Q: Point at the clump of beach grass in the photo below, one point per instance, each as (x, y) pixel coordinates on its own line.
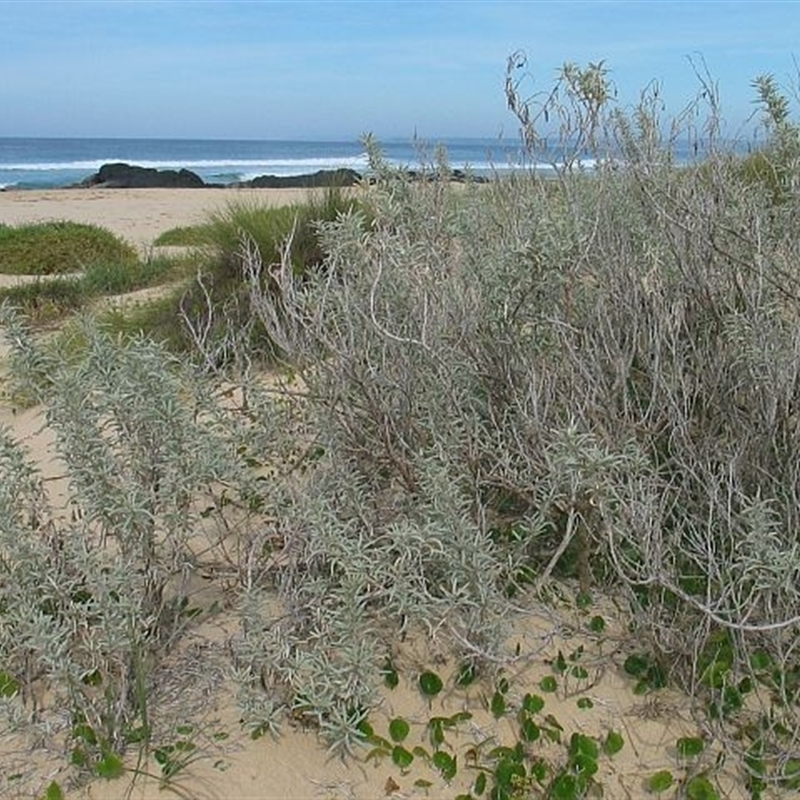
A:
(217, 308)
(65, 267)
(185, 236)
(54, 248)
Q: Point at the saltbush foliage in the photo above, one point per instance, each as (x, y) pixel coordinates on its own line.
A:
(588, 374)
(592, 373)
(92, 595)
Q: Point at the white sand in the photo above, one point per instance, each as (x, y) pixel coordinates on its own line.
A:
(138, 215)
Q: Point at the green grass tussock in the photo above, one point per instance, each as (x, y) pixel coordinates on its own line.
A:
(120, 278)
(186, 236)
(76, 265)
(250, 236)
(52, 298)
(46, 301)
(54, 248)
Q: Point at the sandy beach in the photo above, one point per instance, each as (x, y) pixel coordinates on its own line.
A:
(138, 215)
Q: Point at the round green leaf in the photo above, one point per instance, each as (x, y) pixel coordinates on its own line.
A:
(701, 788)
(581, 673)
(533, 703)
(402, 757)
(430, 684)
(613, 743)
(636, 665)
(109, 766)
(565, 787)
(585, 702)
(529, 730)
(660, 781)
(580, 744)
(584, 764)
(760, 660)
(597, 624)
(399, 729)
(446, 764)
(390, 676)
(690, 746)
(548, 684)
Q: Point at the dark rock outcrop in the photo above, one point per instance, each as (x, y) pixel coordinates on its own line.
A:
(321, 178)
(129, 176)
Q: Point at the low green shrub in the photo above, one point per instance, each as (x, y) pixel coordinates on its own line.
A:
(52, 248)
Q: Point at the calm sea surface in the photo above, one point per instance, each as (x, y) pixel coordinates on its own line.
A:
(48, 163)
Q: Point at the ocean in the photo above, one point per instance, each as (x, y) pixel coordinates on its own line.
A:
(38, 163)
(29, 163)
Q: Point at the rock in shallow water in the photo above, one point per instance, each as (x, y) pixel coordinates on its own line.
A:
(129, 176)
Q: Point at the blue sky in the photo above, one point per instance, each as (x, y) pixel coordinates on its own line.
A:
(311, 70)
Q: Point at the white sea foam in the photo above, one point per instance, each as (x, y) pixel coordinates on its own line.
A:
(221, 165)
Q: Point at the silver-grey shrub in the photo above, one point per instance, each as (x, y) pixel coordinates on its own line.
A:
(591, 375)
(94, 592)
(446, 468)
